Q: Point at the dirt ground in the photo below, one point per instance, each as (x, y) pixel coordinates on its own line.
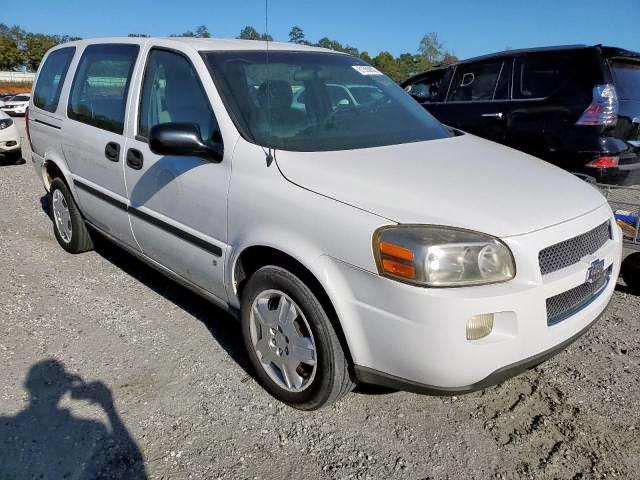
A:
(110, 370)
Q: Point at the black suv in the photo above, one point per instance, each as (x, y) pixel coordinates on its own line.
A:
(575, 106)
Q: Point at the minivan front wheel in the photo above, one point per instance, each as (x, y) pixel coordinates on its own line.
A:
(291, 342)
(68, 225)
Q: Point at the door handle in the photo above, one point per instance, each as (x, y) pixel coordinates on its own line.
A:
(134, 159)
(498, 115)
(112, 151)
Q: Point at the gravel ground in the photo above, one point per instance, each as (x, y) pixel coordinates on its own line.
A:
(159, 375)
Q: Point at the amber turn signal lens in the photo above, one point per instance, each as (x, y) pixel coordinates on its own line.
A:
(396, 251)
(399, 269)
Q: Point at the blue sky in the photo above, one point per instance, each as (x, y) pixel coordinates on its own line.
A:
(468, 27)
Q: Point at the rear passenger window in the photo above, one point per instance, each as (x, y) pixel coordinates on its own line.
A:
(430, 88)
(99, 91)
(474, 82)
(51, 79)
(171, 92)
(539, 76)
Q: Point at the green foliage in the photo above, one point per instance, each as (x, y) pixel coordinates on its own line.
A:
(201, 32)
(431, 48)
(250, 33)
(36, 45)
(10, 54)
(431, 52)
(296, 35)
(20, 50)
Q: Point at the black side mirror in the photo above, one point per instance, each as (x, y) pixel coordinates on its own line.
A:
(183, 139)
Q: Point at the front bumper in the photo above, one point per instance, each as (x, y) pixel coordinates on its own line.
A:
(20, 110)
(368, 375)
(416, 337)
(9, 139)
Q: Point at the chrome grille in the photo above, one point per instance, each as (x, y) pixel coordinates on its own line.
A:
(567, 303)
(566, 253)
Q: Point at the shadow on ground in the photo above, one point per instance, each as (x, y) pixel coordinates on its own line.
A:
(8, 161)
(47, 441)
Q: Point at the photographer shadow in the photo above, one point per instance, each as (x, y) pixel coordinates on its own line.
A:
(49, 442)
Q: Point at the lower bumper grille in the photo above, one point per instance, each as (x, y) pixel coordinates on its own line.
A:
(563, 305)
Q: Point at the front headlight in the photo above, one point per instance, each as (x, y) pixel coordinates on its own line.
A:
(435, 256)
(5, 123)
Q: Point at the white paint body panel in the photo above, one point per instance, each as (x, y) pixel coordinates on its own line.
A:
(9, 134)
(322, 209)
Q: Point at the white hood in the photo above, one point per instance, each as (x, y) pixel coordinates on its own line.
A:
(464, 181)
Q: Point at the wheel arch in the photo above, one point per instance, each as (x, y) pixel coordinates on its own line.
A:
(52, 168)
(253, 257)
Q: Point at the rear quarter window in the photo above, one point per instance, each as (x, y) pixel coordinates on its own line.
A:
(51, 78)
(571, 73)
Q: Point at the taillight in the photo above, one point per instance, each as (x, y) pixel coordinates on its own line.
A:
(604, 162)
(26, 125)
(604, 107)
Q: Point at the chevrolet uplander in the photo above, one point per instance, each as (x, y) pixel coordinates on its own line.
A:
(356, 238)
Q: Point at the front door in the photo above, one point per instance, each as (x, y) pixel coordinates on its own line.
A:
(178, 205)
(92, 137)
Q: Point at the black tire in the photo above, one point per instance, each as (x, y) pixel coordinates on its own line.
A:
(80, 238)
(332, 380)
(630, 272)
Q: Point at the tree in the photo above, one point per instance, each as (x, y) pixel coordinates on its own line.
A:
(366, 57)
(10, 54)
(138, 35)
(35, 46)
(431, 48)
(250, 33)
(202, 32)
(385, 62)
(296, 35)
(449, 58)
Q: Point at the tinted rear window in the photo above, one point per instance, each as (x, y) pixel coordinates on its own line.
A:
(627, 79)
(51, 79)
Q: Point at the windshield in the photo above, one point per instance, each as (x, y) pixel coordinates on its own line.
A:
(20, 98)
(627, 79)
(308, 101)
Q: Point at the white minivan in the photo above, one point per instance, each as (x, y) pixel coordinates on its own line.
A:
(355, 241)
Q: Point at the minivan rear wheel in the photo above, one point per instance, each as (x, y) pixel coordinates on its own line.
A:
(630, 272)
(291, 341)
(68, 225)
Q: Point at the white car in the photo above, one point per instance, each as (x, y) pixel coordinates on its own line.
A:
(355, 243)
(9, 137)
(16, 105)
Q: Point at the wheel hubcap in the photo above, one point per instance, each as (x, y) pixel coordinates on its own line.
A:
(283, 340)
(61, 216)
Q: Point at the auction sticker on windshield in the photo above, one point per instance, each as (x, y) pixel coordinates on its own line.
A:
(366, 70)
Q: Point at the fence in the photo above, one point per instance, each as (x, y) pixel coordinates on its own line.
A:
(17, 77)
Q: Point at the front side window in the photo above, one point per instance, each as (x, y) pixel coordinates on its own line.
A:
(51, 78)
(101, 84)
(430, 88)
(474, 82)
(171, 92)
(261, 92)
